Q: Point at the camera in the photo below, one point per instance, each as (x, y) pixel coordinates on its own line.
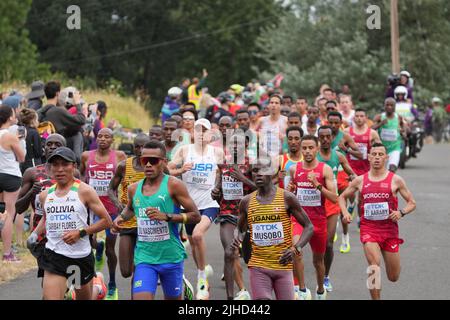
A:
(394, 80)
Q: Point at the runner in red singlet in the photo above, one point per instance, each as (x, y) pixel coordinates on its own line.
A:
(379, 215)
(313, 181)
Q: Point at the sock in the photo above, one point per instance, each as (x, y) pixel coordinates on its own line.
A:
(343, 238)
(347, 238)
(112, 280)
(201, 274)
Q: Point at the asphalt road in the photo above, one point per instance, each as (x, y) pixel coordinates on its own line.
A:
(425, 254)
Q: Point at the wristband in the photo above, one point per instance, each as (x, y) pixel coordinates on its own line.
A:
(123, 217)
(184, 215)
(402, 213)
(319, 187)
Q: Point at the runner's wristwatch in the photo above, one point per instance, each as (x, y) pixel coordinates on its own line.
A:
(319, 187)
(83, 233)
(402, 213)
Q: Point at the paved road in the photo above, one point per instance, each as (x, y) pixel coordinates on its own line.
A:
(425, 254)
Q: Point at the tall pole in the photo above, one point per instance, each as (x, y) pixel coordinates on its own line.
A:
(395, 37)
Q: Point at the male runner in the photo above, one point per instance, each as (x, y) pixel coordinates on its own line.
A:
(36, 179)
(311, 126)
(312, 181)
(199, 171)
(98, 167)
(169, 127)
(67, 224)
(233, 184)
(266, 214)
(128, 172)
(294, 135)
(390, 127)
(364, 137)
(379, 216)
(155, 202)
(335, 160)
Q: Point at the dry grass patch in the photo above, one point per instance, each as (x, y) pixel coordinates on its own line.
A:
(10, 271)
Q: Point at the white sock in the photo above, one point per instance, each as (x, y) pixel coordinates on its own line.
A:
(346, 238)
(201, 274)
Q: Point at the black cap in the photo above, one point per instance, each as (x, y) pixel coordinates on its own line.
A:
(63, 152)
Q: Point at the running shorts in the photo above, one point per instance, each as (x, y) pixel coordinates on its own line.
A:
(226, 218)
(331, 208)
(211, 213)
(297, 228)
(394, 158)
(63, 266)
(264, 281)
(386, 240)
(145, 278)
(131, 232)
(342, 181)
(9, 183)
(318, 241)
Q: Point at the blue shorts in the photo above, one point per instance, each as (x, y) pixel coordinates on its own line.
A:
(211, 213)
(145, 278)
(107, 231)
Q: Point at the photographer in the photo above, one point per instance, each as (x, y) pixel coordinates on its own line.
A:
(404, 79)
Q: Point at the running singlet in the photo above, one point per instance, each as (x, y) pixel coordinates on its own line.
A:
(376, 201)
(390, 133)
(99, 175)
(311, 199)
(42, 177)
(200, 181)
(130, 176)
(270, 232)
(270, 135)
(285, 165)
(360, 167)
(65, 214)
(158, 242)
(334, 162)
(337, 140)
(233, 190)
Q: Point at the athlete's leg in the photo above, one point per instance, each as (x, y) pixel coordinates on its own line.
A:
(260, 283)
(373, 255)
(198, 241)
(394, 160)
(171, 276)
(85, 291)
(226, 238)
(299, 267)
(392, 263)
(54, 286)
(126, 254)
(283, 282)
(111, 258)
(319, 265)
(145, 282)
(331, 230)
(18, 223)
(10, 199)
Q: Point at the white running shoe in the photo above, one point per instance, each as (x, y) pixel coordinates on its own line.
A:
(327, 284)
(202, 289)
(243, 295)
(209, 271)
(188, 289)
(304, 295)
(322, 296)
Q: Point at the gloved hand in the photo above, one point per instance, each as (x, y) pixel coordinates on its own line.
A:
(32, 240)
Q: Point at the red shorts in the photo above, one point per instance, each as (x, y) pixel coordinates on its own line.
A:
(387, 241)
(297, 228)
(342, 181)
(331, 208)
(318, 241)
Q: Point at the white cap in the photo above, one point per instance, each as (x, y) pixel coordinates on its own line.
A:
(203, 122)
(405, 73)
(174, 91)
(436, 100)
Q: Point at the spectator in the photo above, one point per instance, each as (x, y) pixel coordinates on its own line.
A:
(214, 113)
(34, 98)
(428, 122)
(15, 100)
(439, 119)
(195, 89)
(66, 124)
(254, 113)
(184, 88)
(100, 109)
(12, 151)
(171, 104)
(29, 119)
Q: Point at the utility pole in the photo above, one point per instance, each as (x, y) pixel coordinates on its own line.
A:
(395, 37)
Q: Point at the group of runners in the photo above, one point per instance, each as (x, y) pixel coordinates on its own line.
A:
(272, 183)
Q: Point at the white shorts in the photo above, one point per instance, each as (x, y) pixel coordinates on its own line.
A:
(394, 158)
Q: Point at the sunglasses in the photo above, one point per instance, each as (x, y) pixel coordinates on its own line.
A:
(152, 160)
(189, 118)
(253, 112)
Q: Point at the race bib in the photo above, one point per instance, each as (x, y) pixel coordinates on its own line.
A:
(152, 230)
(376, 211)
(203, 176)
(309, 197)
(232, 189)
(268, 234)
(60, 223)
(363, 149)
(100, 186)
(389, 134)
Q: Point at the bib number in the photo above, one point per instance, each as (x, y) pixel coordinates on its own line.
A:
(232, 189)
(152, 230)
(268, 234)
(389, 134)
(376, 211)
(58, 224)
(100, 186)
(309, 197)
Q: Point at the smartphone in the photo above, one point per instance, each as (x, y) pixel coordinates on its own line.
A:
(21, 131)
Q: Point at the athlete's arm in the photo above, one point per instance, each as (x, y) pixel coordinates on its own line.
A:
(42, 197)
(115, 183)
(237, 174)
(120, 156)
(216, 193)
(294, 208)
(329, 189)
(28, 191)
(350, 192)
(177, 161)
(377, 123)
(180, 194)
(291, 187)
(346, 166)
(83, 162)
(374, 137)
(352, 146)
(400, 186)
(128, 211)
(242, 224)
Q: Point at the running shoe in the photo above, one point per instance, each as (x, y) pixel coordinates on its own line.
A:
(327, 284)
(99, 255)
(188, 289)
(202, 289)
(209, 271)
(304, 295)
(345, 248)
(322, 296)
(113, 294)
(243, 295)
(11, 258)
(335, 237)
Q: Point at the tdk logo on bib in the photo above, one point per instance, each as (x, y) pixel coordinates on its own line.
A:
(60, 217)
(203, 167)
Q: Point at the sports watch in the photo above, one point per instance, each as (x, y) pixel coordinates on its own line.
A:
(169, 217)
(83, 233)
